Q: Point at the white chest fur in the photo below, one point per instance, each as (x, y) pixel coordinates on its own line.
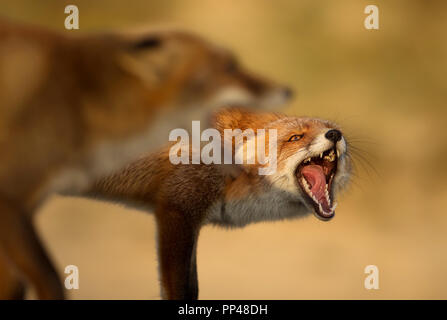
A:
(275, 205)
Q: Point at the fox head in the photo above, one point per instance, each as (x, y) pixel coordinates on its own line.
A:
(155, 82)
(312, 162)
(182, 69)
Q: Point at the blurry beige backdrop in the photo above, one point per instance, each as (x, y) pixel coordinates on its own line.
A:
(388, 90)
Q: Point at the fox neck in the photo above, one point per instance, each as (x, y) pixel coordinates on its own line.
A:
(136, 185)
(198, 190)
(250, 199)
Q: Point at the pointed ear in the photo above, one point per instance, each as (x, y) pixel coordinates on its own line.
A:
(227, 118)
(244, 124)
(139, 58)
(241, 118)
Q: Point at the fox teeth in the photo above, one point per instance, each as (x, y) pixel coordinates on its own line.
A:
(321, 208)
(307, 160)
(334, 206)
(305, 184)
(326, 193)
(338, 154)
(321, 155)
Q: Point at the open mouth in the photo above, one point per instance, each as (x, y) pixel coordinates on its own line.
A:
(315, 176)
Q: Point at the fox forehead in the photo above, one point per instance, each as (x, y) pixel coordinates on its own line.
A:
(285, 126)
(308, 127)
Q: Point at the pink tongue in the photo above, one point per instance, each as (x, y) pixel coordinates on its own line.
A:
(314, 175)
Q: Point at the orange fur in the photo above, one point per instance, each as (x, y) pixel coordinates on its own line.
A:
(186, 197)
(75, 108)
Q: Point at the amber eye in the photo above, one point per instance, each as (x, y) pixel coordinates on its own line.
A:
(295, 137)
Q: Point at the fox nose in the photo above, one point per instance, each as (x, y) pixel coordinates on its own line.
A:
(333, 135)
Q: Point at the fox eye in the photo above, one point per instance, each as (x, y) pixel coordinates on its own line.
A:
(295, 137)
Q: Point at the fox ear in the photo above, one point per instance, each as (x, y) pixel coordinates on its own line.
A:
(244, 125)
(140, 59)
(241, 118)
(227, 118)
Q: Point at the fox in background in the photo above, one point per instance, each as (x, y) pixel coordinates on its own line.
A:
(73, 109)
(313, 165)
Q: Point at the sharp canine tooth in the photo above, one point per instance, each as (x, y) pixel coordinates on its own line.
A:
(338, 154)
(326, 193)
(321, 155)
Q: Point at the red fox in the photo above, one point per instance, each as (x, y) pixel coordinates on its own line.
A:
(75, 108)
(313, 165)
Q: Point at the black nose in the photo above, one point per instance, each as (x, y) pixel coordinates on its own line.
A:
(334, 135)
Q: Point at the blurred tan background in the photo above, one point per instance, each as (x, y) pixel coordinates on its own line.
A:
(388, 90)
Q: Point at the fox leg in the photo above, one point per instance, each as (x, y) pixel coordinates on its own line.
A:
(177, 243)
(21, 246)
(11, 288)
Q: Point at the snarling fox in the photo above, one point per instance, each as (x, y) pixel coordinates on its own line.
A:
(313, 165)
(74, 108)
